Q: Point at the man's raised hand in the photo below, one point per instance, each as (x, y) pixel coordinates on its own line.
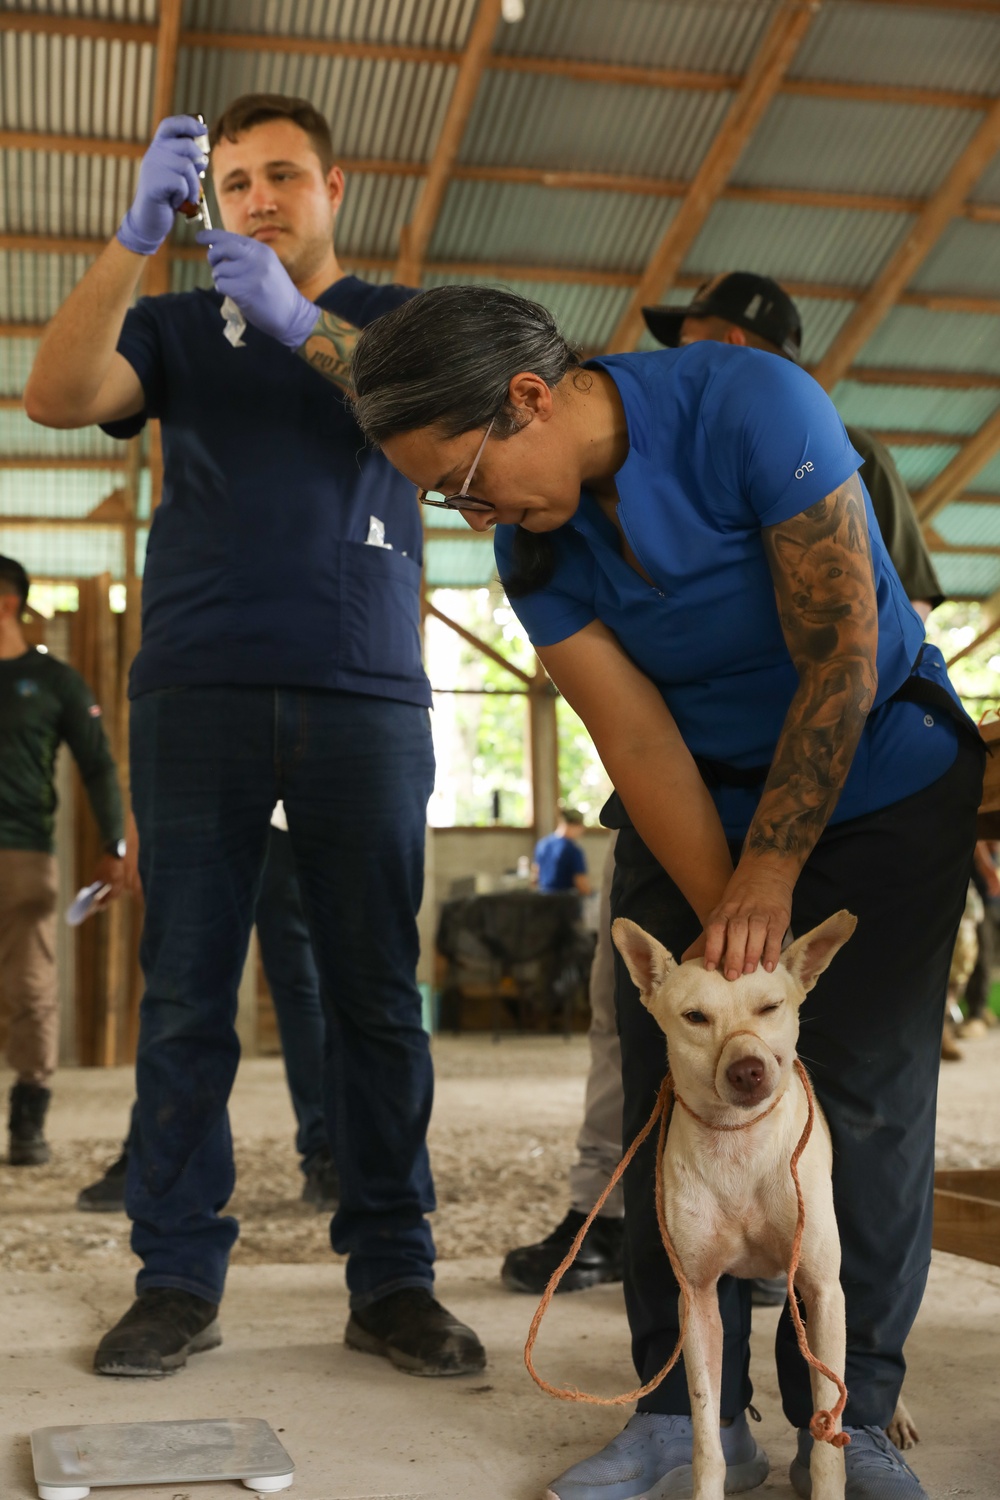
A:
(168, 177)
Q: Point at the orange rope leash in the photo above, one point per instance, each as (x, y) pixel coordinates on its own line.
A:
(822, 1423)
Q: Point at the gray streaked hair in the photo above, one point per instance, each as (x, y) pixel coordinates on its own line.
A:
(445, 359)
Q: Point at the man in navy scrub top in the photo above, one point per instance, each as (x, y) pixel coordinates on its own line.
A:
(280, 658)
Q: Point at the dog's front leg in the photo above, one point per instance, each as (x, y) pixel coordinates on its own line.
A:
(826, 1327)
(703, 1364)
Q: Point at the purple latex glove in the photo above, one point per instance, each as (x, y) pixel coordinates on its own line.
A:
(168, 177)
(251, 274)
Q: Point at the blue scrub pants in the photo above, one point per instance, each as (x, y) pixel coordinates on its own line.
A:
(287, 956)
(355, 773)
(871, 1038)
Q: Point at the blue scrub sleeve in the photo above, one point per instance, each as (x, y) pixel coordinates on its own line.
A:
(550, 614)
(140, 345)
(775, 437)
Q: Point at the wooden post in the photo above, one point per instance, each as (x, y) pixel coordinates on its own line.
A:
(543, 749)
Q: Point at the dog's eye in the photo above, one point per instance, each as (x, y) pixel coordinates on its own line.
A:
(696, 1017)
(767, 1010)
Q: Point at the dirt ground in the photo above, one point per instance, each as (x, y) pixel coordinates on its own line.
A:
(505, 1120)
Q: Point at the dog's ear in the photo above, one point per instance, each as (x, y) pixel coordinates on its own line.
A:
(647, 961)
(808, 956)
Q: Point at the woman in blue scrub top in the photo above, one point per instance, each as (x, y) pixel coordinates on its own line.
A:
(686, 539)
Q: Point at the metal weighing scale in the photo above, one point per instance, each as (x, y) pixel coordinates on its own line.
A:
(70, 1461)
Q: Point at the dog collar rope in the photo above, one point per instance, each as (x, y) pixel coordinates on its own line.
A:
(711, 1125)
(823, 1425)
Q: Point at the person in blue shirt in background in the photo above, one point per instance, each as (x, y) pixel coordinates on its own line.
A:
(558, 863)
(280, 658)
(687, 541)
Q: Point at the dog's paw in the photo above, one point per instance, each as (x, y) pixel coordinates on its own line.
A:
(901, 1430)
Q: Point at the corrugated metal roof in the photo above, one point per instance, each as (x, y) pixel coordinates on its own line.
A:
(375, 108)
(422, 23)
(16, 358)
(563, 124)
(902, 149)
(987, 481)
(587, 315)
(45, 192)
(917, 338)
(919, 466)
(77, 85)
(711, 35)
(32, 285)
(394, 110)
(18, 435)
(517, 222)
(798, 244)
(966, 525)
(966, 259)
(946, 48)
(464, 564)
(967, 575)
(913, 407)
(77, 552)
(50, 492)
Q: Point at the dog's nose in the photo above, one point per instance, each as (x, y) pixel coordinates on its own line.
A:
(746, 1074)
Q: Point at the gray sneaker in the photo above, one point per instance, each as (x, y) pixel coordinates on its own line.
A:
(651, 1460)
(875, 1469)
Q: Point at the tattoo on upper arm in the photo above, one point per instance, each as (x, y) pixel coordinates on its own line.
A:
(329, 347)
(822, 569)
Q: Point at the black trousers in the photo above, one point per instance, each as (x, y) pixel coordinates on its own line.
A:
(871, 1038)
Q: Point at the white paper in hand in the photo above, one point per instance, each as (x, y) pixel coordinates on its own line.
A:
(80, 909)
(236, 323)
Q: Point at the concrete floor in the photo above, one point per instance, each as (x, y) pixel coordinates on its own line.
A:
(357, 1429)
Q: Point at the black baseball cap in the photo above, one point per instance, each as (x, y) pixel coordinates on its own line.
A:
(753, 302)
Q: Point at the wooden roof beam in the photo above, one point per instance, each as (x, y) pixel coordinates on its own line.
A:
(629, 184)
(62, 461)
(156, 276)
(415, 236)
(976, 452)
(931, 223)
(579, 70)
(771, 62)
(51, 244)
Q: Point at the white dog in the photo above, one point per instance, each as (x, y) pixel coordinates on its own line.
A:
(729, 1198)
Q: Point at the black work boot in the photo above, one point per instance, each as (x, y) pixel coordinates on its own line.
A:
(322, 1184)
(416, 1333)
(161, 1328)
(29, 1104)
(529, 1268)
(107, 1194)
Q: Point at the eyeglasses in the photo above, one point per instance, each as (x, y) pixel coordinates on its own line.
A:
(463, 500)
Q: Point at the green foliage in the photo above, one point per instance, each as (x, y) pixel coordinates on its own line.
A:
(977, 675)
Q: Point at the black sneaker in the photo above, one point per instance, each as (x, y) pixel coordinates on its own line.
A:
(29, 1104)
(417, 1334)
(161, 1328)
(529, 1268)
(107, 1194)
(322, 1184)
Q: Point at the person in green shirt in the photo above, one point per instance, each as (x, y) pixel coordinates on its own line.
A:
(43, 702)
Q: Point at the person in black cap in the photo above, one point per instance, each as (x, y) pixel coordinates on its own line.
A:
(743, 308)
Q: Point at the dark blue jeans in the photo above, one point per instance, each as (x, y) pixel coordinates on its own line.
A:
(870, 1035)
(355, 773)
(287, 956)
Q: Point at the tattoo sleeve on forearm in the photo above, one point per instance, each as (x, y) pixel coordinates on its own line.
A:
(329, 347)
(822, 570)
